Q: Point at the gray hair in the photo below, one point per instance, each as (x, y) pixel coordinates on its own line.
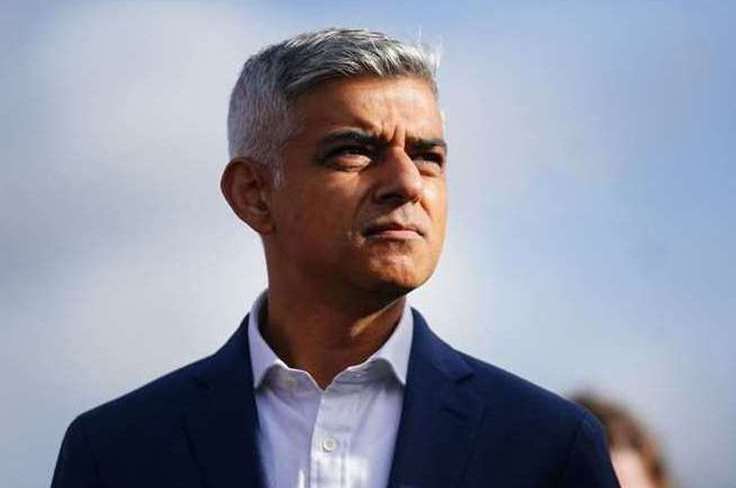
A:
(259, 121)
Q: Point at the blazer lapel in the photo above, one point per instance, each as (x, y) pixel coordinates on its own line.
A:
(439, 418)
(221, 423)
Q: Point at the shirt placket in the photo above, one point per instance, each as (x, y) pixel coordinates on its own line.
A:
(330, 441)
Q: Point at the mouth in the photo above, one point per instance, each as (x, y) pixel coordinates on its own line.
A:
(393, 231)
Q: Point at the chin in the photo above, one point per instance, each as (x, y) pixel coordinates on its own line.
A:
(397, 281)
(392, 272)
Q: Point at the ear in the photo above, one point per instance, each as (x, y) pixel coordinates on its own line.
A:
(247, 187)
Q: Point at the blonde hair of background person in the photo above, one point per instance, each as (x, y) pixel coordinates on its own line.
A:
(636, 454)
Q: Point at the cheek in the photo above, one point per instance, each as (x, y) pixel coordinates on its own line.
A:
(436, 198)
(326, 212)
(435, 191)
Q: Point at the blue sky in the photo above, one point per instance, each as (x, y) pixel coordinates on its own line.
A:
(592, 186)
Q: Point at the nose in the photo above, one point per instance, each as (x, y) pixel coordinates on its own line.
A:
(401, 180)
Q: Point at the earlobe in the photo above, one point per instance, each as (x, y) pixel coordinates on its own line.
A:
(246, 187)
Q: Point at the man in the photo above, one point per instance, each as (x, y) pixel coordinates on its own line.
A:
(338, 161)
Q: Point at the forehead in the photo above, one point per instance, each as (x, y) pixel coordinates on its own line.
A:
(383, 106)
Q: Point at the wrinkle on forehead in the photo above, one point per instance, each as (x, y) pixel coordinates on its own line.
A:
(391, 109)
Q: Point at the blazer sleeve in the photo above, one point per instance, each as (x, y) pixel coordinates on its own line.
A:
(589, 462)
(76, 466)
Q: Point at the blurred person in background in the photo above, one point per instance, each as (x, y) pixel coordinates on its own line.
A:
(635, 453)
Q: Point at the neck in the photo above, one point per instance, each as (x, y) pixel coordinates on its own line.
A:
(322, 336)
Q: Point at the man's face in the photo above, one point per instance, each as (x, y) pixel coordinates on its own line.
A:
(363, 197)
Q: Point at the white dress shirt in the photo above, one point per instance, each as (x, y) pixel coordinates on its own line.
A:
(342, 436)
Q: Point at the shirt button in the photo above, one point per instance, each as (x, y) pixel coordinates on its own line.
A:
(329, 444)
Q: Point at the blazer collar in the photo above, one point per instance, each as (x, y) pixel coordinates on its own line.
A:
(221, 423)
(440, 416)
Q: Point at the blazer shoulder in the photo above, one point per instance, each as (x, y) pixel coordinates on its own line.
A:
(505, 394)
(149, 430)
(172, 394)
(543, 433)
(512, 393)
(523, 434)
(163, 398)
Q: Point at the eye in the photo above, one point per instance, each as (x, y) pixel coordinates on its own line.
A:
(431, 161)
(349, 156)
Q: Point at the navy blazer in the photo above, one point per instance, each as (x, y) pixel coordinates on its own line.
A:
(464, 423)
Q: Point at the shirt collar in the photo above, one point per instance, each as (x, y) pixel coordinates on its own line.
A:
(394, 352)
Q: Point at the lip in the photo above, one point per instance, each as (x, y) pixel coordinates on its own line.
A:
(392, 230)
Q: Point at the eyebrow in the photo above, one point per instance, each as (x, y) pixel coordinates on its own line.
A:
(349, 135)
(370, 139)
(421, 144)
